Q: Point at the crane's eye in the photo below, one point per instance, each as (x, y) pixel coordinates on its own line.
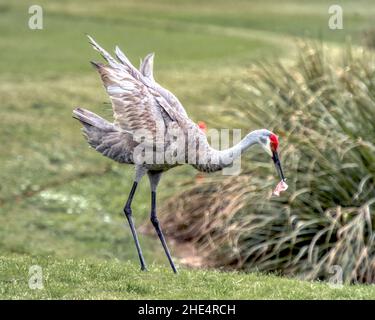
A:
(263, 140)
(274, 142)
(265, 143)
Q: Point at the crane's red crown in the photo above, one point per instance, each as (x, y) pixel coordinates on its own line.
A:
(274, 142)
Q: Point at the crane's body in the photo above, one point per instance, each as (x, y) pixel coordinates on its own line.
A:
(148, 115)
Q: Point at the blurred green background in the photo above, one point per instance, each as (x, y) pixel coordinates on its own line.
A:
(59, 198)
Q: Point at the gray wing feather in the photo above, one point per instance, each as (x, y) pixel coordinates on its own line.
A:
(146, 68)
(136, 104)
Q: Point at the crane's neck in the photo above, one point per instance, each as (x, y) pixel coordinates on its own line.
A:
(225, 158)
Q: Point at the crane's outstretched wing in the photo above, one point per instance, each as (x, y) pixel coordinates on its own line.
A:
(136, 105)
(146, 69)
(134, 108)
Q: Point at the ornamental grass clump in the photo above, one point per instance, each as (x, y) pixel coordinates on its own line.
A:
(324, 225)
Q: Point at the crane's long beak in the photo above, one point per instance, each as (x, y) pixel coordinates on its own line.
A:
(279, 169)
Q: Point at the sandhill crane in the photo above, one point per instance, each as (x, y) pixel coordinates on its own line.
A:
(140, 103)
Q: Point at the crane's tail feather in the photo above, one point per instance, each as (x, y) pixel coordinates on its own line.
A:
(104, 137)
(88, 118)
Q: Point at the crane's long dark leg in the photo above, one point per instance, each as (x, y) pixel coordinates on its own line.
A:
(128, 214)
(154, 180)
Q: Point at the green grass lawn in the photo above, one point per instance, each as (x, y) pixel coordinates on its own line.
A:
(84, 279)
(60, 200)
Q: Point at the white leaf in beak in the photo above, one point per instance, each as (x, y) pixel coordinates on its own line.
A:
(282, 186)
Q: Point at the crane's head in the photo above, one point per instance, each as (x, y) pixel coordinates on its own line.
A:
(270, 143)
